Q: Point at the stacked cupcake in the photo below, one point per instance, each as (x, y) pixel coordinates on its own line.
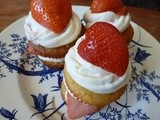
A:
(97, 70)
(51, 29)
(112, 12)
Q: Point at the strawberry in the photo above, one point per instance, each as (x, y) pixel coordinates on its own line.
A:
(52, 14)
(105, 47)
(116, 6)
(77, 109)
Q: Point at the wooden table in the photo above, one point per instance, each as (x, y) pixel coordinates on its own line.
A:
(11, 10)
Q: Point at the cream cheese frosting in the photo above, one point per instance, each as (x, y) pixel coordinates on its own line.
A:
(43, 36)
(121, 22)
(91, 77)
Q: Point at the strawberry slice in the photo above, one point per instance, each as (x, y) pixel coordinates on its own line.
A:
(105, 47)
(77, 109)
(116, 6)
(52, 14)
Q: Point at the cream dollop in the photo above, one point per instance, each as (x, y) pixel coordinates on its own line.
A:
(91, 77)
(43, 36)
(121, 22)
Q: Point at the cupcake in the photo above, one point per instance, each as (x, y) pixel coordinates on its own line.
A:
(113, 12)
(97, 70)
(51, 29)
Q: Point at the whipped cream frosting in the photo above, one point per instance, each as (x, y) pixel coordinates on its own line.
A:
(91, 77)
(57, 60)
(121, 22)
(43, 36)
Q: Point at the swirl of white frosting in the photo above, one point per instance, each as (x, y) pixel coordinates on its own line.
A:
(47, 38)
(91, 77)
(121, 22)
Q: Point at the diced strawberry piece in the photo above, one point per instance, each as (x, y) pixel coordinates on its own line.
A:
(105, 47)
(77, 109)
(52, 14)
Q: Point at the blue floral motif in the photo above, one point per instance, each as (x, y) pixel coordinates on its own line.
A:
(7, 114)
(4, 52)
(138, 115)
(40, 104)
(18, 46)
(142, 84)
(59, 80)
(110, 113)
(141, 55)
(142, 81)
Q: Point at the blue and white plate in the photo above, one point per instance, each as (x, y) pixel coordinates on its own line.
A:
(31, 91)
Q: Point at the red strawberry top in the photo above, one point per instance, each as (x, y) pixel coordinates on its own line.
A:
(52, 14)
(105, 47)
(116, 6)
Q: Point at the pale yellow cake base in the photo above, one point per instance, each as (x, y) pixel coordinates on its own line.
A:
(88, 97)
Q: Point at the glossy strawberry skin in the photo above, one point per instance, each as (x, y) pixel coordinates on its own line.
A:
(105, 47)
(52, 14)
(116, 6)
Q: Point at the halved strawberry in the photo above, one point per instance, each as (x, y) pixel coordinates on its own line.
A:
(52, 14)
(116, 6)
(77, 109)
(105, 47)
